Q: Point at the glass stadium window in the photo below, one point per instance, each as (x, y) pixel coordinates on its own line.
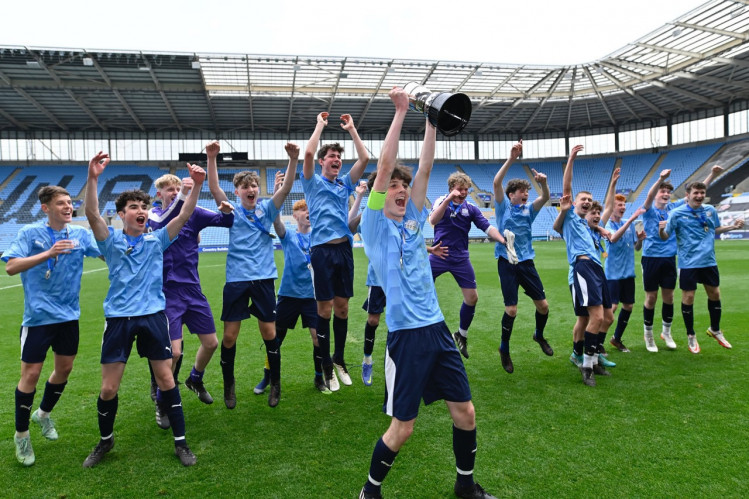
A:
(543, 148)
(646, 138)
(595, 144)
(697, 130)
(738, 122)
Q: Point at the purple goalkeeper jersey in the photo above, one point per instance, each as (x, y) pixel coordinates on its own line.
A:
(453, 229)
(181, 258)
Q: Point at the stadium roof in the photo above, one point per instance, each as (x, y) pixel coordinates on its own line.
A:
(699, 61)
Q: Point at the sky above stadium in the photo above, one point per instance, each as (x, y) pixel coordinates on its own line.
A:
(533, 31)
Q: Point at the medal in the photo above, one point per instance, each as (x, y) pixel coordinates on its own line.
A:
(47, 274)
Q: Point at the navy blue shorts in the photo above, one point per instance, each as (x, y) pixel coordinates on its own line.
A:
(462, 271)
(36, 340)
(237, 297)
(188, 305)
(375, 302)
(523, 274)
(688, 278)
(288, 310)
(150, 332)
(589, 286)
(422, 363)
(332, 271)
(658, 272)
(622, 290)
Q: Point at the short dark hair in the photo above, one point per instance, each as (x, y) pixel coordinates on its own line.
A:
(326, 147)
(595, 206)
(131, 195)
(696, 185)
(666, 185)
(50, 192)
(516, 184)
(401, 172)
(245, 178)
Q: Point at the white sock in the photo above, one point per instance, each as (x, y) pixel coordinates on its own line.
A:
(589, 361)
(42, 414)
(666, 328)
(463, 332)
(367, 360)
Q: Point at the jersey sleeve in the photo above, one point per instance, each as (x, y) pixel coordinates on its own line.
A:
(19, 248)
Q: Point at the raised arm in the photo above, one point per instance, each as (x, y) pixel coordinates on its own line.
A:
(211, 150)
(623, 229)
(354, 217)
(567, 178)
(389, 152)
(737, 224)
(197, 174)
(515, 153)
(438, 211)
(308, 168)
(279, 226)
(279, 196)
(544, 197)
(361, 151)
(609, 208)
(565, 203)
(426, 162)
(714, 172)
(654, 189)
(95, 167)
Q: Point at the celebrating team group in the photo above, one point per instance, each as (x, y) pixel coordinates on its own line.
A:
(155, 287)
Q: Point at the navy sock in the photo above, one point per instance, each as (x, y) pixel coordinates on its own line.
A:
(323, 339)
(540, 324)
(466, 315)
(621, 323)
(601, 340)
(578, 347)
(196, 375)
(273, 350)
(52, 393)
(687, 313)
(227, 363)
(667, 312)
(369, 338)
(591, 343)
(177, 366)
(107, 412)
(647, 316)
(340, 331)
(464, 448)
(172, 403)
(713, 307)
(281, 335)
(507, 322)
(378, 469)
(24, 402)
(317, 359)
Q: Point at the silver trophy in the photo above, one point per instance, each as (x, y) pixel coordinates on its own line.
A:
(447, 112)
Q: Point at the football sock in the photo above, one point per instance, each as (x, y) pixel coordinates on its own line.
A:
(507, 322)
(591, 346)
(52, 393)
(621, 323)
(464, 448)
(369, 338)
(540, 324)
(281, 335)
(647, 317)
(382, 460)
(24, 402)
(227, 363)
(340, 331)
(273, 351)
(177, 366)
(667, 313)
(107, 411)
(317, 359)
(323, 339)
(713, 307)
(687, 313)
(578, 347)
(466, 316)
(171, 402)
(196, 375)
(601, 340)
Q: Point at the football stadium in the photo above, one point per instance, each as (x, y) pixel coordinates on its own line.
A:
(666, 416)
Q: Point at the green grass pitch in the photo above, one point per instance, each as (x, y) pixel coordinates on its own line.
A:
(668, 424)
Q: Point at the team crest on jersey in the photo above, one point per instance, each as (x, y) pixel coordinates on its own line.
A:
(411, 225)
(149, 237)
(259, 212)
(464, 212)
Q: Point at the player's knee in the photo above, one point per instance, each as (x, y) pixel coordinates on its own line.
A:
(373, 320)
(511, 310)
(542, 307)
(108, 390)
(465, 416)
(209, 342)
